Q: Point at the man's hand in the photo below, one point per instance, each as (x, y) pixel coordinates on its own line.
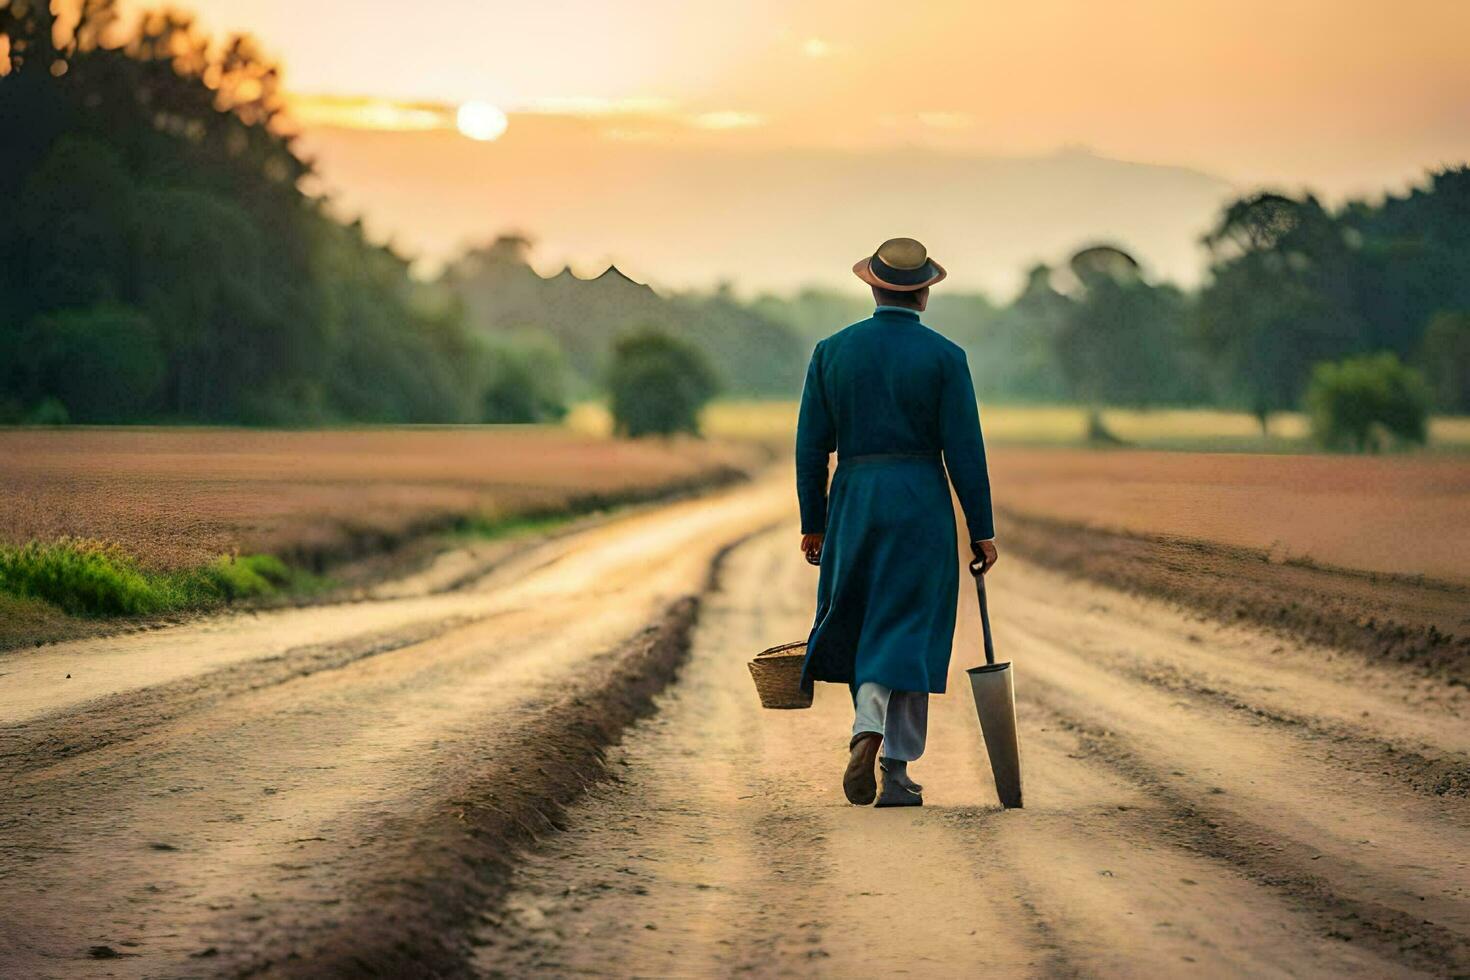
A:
(985, 554)
(811, 546)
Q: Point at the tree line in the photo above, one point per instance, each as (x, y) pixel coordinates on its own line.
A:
(164, 263)
(1291, 285)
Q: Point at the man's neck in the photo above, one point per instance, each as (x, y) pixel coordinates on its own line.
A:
(896, 309)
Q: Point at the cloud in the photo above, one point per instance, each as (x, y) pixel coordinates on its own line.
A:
(589, 106)
(728, 119)
(366, 112)
(628, 120)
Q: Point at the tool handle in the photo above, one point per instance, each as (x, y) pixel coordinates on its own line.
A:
(975, 570)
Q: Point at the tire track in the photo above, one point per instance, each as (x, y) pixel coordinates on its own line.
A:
(345, 808)
(1439, 773)
(43, 742)
(1382, 618)
(1248, 848)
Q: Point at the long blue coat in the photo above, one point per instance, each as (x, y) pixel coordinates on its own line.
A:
(895, 401)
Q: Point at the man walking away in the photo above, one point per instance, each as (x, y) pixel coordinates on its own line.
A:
(895, 401)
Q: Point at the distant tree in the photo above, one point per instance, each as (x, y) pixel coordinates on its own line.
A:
(814, 313)
(1280, 299)
(1444, 356)
(1354, 403)
(1034, 321)
(1121, 340)
(658, 384)
(103, 364)
(50, 411)
(757, 355)
(1412, 259)
(525, 380)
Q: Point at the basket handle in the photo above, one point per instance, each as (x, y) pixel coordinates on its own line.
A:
(976, 570)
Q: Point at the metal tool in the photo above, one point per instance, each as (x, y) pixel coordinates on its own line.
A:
(995, 701)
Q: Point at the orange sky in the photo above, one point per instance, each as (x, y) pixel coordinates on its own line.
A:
(769, 141)
(1345, 95)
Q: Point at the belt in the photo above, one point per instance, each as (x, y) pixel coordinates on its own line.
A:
(886, 458)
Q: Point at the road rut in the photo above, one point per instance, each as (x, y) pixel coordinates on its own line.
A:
(1201, 800)
(325, 792)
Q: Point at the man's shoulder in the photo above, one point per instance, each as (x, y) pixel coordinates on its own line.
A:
(928, 338)
(947, 347)
(851, 329)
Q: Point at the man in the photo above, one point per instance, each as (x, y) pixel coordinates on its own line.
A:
(895, 401)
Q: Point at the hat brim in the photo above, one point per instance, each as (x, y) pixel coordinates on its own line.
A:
(864, 271)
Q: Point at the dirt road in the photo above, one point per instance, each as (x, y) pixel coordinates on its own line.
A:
(312, 792)
(1202, 800)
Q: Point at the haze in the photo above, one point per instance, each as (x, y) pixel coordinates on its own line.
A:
(1216, 96)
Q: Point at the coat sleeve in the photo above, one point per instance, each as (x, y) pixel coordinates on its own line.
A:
(964, 447)
(816, 439)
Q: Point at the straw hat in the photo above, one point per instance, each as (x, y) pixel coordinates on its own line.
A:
(900, 264)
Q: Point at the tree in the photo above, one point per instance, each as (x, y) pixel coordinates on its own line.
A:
(146, 170)
(1281, 297)
(1018, 358)
(1444, 356)
(658, 384)
(757, 355)
(103, 364)
(813, 313)
(525, 380)
(1413, 256)
(1122, 340)
(1353, 403)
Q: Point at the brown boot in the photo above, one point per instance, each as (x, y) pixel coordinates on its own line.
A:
(860, 783)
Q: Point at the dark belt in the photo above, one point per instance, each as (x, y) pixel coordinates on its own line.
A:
(886, 458)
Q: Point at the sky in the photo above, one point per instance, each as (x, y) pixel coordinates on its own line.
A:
(1348, 97)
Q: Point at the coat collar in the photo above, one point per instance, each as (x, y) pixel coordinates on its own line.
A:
(898, 311)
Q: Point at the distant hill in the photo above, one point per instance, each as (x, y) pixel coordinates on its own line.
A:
(501, 293)
(765, 219)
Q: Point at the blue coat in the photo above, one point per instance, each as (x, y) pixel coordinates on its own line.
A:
(890, 397)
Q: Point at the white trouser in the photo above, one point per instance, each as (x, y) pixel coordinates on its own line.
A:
(901, 716)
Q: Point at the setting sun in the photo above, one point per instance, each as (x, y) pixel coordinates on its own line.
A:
(480, 121)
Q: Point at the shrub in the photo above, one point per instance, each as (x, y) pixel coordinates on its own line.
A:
(50, 411)
(1354, 402)
(658, 385)
(524, 380)
(1444, 354)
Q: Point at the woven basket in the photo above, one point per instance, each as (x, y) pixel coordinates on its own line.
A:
(777, 675)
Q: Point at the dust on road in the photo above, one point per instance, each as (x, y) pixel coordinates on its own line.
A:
(1201, 800)
(339, 807)
(320, 789)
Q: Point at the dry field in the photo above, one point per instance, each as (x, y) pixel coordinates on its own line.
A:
(179, 497)
(176, 497)
(1370, 554)
(1399, 515)
(1404, 514)
(1263, 539)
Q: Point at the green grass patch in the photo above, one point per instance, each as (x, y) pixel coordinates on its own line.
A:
(1188, 429)
(91, 578)
(485, 527)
